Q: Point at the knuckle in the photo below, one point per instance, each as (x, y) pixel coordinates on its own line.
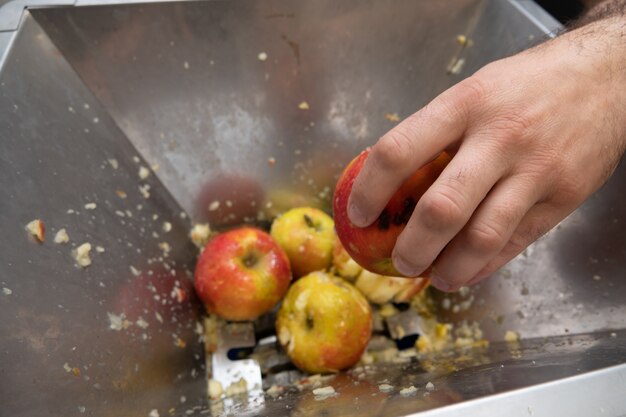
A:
(473, 90)
(486, 238)
(393, 149)
(441, 210)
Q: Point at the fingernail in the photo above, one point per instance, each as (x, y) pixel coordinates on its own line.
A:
(404, 267)
(356, 215)
(439, 283)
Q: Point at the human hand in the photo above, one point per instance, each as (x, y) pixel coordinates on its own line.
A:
(533, 136)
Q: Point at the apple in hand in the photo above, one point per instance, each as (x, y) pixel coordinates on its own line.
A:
(324, 323)
(307, 235)
(371, 246)
(381, 289)
(242, 274)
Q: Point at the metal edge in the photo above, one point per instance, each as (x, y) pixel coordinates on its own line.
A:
(594, 393)
(538, 16)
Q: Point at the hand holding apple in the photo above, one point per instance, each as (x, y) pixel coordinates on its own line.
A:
(307, 236)
(242, 274)
(324, 323)
(371, 246)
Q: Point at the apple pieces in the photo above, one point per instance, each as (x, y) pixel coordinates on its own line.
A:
(242, 274)
(371, 246)
(324, 323)
(307, 236)
(343, 264)
(381, 289)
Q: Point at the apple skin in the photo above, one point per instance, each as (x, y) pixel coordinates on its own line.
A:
(324, 323)
(242, 274)
(307, 236)
(371, 246)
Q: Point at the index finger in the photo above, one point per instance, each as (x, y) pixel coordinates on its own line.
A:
(407, 147)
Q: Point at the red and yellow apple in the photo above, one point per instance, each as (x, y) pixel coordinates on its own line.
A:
(381, 289)
(307, 235)
(242, 274)
(324, 323)
(371, 246)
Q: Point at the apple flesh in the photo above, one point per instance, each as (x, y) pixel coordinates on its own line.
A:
(381, 289)
(324, 323)
(242, 274)
(371, 246)
(307, 235)
(343, 264)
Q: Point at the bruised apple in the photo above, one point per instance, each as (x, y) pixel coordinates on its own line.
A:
(371, 246)
(324, 323)
(307, 235)
(242, 274)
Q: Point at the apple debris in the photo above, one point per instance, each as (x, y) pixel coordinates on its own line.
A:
(405, 392)
(381, 289)
(430, 386)
(511, 336)
(167, 226)
(7, 291)
(303, 105)
(262, 56)
(324, 392)
(90, 206)
(392, 117)
(81, 255)
(200, 234)
(143, 172)
(61, 237)
(36, 229)
(239, 387)
(154, 413)
(275, 391)
(385, 388)
(118, 322)
(215, 389)
(113, 162)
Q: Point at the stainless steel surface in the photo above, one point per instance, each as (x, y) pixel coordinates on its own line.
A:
(56, 141)
(217, 142)
(545, 377)
(181, 85)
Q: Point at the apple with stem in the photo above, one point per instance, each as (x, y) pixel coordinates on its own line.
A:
(307, 235)
(241, 274)
(324, 323)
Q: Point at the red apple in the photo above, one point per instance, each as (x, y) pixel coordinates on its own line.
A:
(324, 323)
(242, 274)
(307, 235)
(371, 246)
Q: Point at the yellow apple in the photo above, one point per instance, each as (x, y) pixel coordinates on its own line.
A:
(307, 235)
(324, 323)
